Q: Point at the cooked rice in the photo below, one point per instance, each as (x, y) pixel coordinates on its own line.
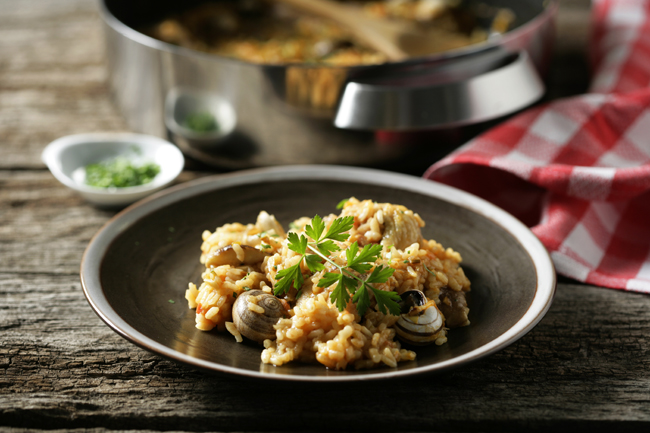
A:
(315, 330)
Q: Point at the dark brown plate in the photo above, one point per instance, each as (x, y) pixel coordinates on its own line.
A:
(146, 255)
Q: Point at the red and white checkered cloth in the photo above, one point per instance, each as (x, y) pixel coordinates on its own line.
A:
(578, 170)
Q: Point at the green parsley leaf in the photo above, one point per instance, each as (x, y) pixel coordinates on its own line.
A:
(286, 277)
(314, 262)
(327, 247)
(339, 227)
(171, 301)
(387, 301)
(315, 230)
(362, 299)
(342, 203)
(369, 253)
(297, 244)
(361, 268)
(340, 296)
(380, 274)
(328, 279)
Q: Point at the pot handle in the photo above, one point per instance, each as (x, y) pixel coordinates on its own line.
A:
(505, 84)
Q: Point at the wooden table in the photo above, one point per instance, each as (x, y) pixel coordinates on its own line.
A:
(585, 366)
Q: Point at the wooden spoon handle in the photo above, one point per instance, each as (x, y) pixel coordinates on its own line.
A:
(375, 33)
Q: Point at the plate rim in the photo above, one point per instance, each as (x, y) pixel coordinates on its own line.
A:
(99, 244)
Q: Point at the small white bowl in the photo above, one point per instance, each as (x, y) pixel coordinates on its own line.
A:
(182, 102)
(68, 156)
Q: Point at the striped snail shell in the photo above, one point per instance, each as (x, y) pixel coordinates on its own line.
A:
(255, 312)
(420, 321)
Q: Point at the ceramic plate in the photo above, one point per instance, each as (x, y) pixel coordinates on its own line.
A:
(137, 267)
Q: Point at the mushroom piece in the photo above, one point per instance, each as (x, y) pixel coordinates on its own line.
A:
(420, 322)
(254, 313)
(235, 255)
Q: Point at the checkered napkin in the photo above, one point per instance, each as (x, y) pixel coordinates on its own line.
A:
(577, 171)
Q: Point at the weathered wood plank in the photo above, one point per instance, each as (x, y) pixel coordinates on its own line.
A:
(52, 77)
(60, 366)
(44, 226)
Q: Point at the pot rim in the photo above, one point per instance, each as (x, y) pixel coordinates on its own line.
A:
(550, 10)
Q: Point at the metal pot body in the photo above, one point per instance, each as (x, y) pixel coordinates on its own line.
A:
(286, 114)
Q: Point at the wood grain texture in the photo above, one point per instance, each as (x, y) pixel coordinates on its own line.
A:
(52, 77)
(586, 362)
(585, 367)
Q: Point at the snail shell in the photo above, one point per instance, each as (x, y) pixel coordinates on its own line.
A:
(421, 322)
(255, 312)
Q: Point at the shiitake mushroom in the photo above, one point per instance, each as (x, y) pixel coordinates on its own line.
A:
(228, 256)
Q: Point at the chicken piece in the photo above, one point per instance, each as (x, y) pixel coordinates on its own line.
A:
(267, 222)
(401, 227)
(453, 306)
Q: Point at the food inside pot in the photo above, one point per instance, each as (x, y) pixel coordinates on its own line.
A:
(267, 33)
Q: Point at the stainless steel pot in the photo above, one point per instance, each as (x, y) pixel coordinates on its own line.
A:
(300, 113)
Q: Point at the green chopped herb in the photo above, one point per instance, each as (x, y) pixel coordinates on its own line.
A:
(171, 301)
(120, 173)
(247, 288)
(405, 261)
(201, 121)
(293, 226)
(430, 271)
(265, 246)
(234, 295)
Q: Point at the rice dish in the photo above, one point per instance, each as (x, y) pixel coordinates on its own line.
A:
(350, 300)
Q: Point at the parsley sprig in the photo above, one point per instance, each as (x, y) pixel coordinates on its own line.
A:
(352, 281)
